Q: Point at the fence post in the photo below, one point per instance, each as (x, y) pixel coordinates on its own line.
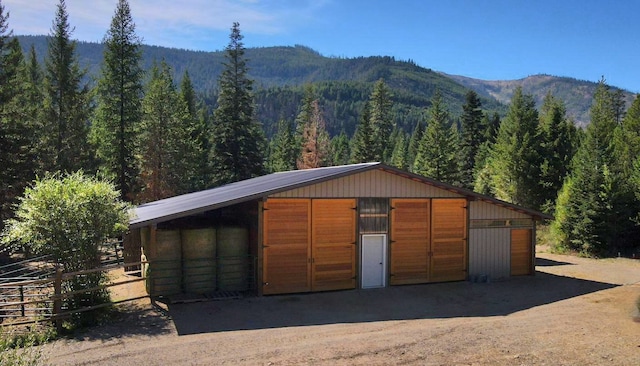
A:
(22, 300)
(57, 298)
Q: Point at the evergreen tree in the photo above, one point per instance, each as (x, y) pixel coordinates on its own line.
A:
(382, 125)
(627, 138)
(399, 155)
(472, 137)
(362, 141)
(414, 142)
(515, 158)
(283, 149)
(238, 142)
(595, 211)
(339, 147)
(557, 142)
(119, 98)
(165, 139)
(17, 144)
(196, 120)
(437, 152)
(66, 101)
(33, 108)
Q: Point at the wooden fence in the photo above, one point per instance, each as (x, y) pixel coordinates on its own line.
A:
(37, 301)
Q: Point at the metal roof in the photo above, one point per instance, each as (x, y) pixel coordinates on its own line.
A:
(261, 187)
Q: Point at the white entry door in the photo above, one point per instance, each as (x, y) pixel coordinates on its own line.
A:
(374, 260)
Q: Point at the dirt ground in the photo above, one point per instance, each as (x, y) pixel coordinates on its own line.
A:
(574, 311)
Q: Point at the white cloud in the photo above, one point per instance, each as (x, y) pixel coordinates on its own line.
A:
(166, 21)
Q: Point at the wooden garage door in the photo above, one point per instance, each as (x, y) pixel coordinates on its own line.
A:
(333, 244)
(448, 240)
(287, 230)
(409, 241)
(521, 252)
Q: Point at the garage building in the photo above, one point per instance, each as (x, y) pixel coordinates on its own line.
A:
(354, 226)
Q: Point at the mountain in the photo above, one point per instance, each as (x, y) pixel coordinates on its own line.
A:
(576, 94)
(342, 84)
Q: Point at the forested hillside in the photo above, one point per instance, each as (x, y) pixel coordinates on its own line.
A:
(576, 94)
(280, 74)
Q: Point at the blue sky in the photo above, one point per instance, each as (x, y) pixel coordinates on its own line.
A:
(484, 39)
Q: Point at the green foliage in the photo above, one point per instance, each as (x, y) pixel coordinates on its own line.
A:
(167, 150)
(283, 149)
(66, 102)
(382, 125)
(69, 217)
(400, 150)
(515, 160)
(20, 349)
(238, 142)
(598, 208)
(437, 157)
(558, 143)
(339, 147)
(18, 146)
(119, 102)
(472, 137)
(361, 151)
(314, 140)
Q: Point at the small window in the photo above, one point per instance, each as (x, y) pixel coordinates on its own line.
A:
(374, 215)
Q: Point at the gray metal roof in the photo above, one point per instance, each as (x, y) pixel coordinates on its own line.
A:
(261, 187)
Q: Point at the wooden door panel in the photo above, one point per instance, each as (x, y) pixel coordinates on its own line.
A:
(333, 264)
(448, 240)
(521, 252)
(286, 245)
(409, 241)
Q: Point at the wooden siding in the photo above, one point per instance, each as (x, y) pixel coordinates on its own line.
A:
(372, 183)
(489, 252)
(448, 240)
(521, 252)
(410, 238)
(286, 246)
(333, 244)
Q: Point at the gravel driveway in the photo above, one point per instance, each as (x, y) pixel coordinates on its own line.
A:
(575, 311)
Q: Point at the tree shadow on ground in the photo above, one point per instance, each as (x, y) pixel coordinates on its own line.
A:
(550, 263)
(127, 322)
(429, 301)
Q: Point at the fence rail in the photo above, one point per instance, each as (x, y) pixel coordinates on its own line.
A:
(36, 301)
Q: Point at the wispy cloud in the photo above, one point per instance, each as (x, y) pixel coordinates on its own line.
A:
(167, 22)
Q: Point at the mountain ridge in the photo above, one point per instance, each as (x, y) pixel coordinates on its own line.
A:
(345, 82)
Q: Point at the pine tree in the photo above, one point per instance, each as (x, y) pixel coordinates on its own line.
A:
(399, 155)
(595, 211)
(165, 139)
(557, 143)
(238, 142)
(362, 141)
(66, 101)
(437, 153)
(17, 132)
(339, 148)
(382, 125)
(196, 120)
(515, 157)
(119, 98)
(414, 142)
(283, 149)
(472, 137)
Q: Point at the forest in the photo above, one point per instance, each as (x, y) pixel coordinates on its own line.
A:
(157, 135)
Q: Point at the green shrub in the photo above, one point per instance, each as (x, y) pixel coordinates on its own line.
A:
(21, 349)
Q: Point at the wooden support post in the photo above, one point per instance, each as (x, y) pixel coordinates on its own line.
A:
(57, 299)
(22, 300)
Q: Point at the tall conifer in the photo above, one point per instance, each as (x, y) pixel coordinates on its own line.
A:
(119, 97)
(66, 101)
(238, 142)
(515, 157)
(382, 125)
(472, 137)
